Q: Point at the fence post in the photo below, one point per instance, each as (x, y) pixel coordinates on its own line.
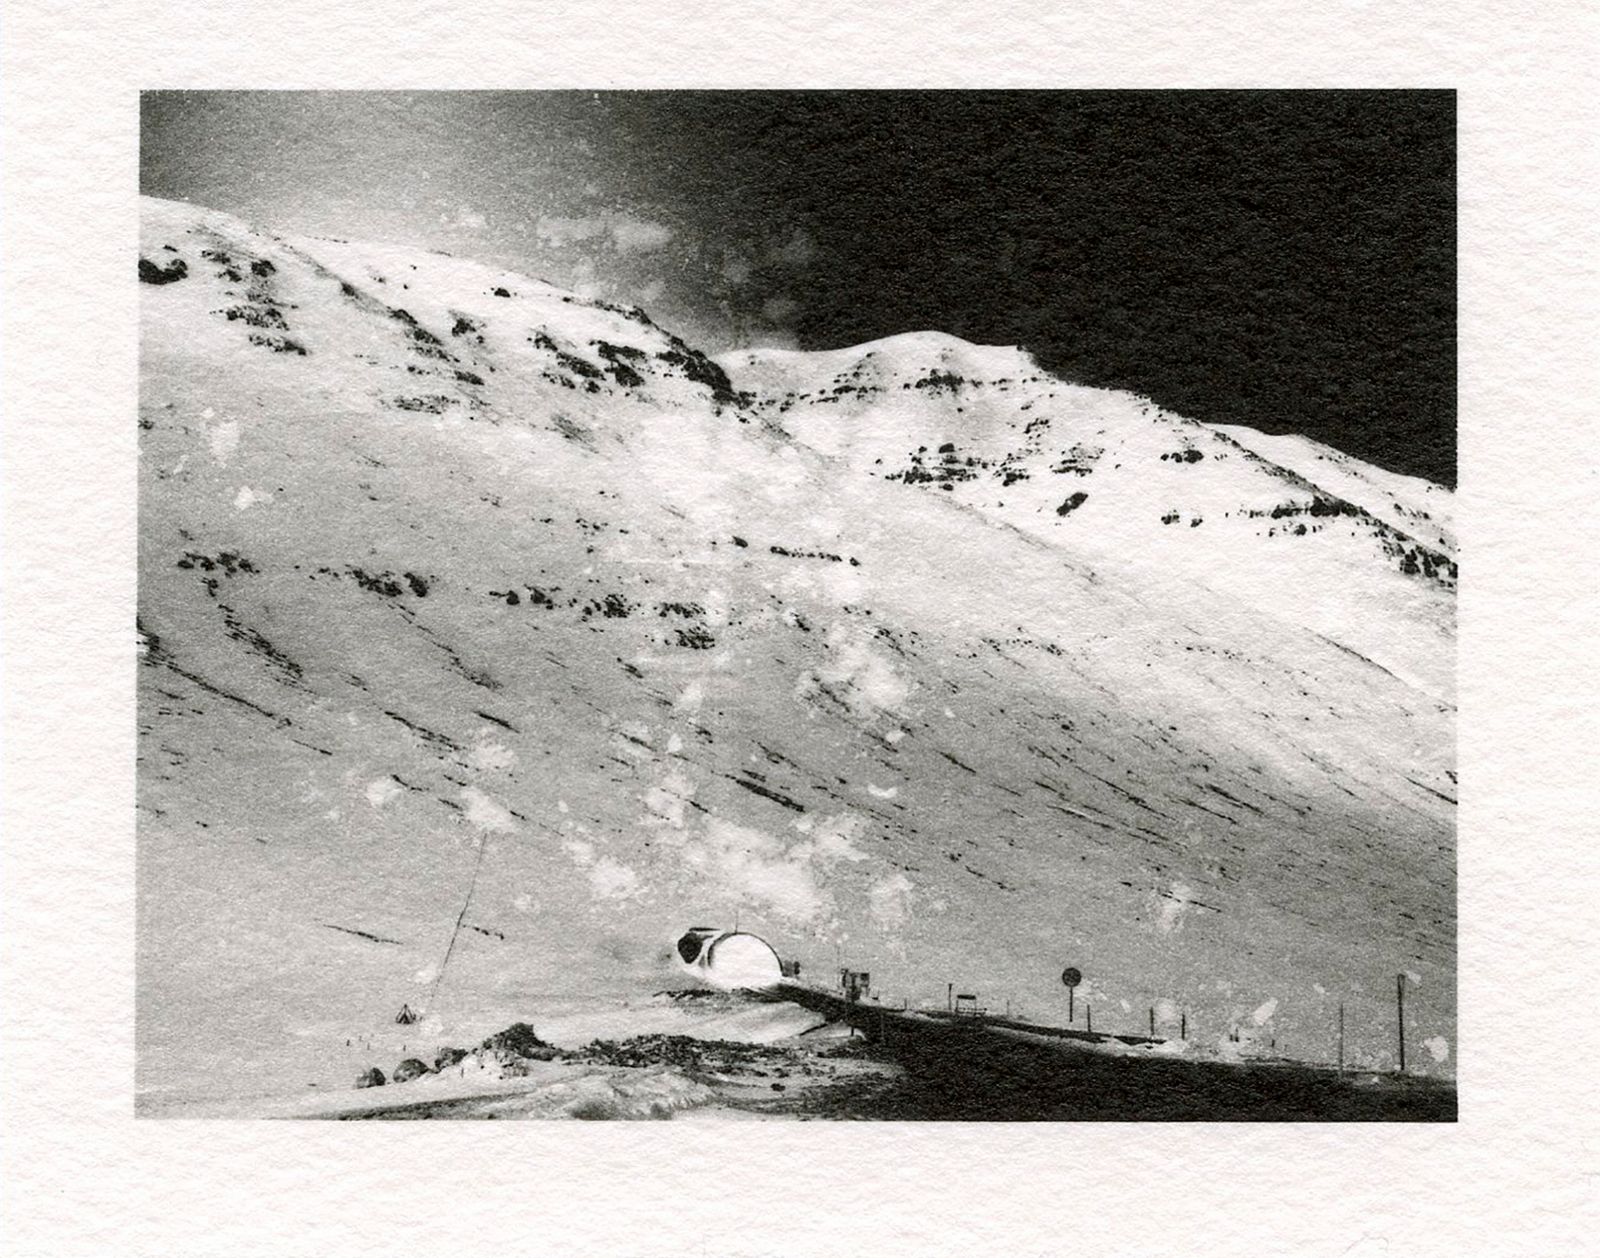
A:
(1400, 1021)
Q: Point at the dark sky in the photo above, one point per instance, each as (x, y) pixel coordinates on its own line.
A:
(1279, 259)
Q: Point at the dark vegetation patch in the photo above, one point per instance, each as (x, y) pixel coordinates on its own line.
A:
(1078, 461)
(501, 292)
(697, 367)
(612, 607)
(423, 342)
(696, 638)
(573, 431)
(428, 404)
(384, 583)
(686, 610)
(756, 788)
(228, 561)
(811, 554)
(1189, 455)
(631, 313)
(579, 366)
(419, 587)
(432, 736)
(263, 316)
(1420, 561)
(948, 468)
(468, 377)
(225, 266)
(619, 360)
(278, 344)
(1073, 503)
(150, 273)
(253, 640)
(1319, 508)
(936, 381)
(361, 934)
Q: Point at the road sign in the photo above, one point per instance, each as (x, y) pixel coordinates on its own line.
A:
(1071, 977)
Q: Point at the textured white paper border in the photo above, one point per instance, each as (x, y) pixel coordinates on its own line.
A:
(1516, 1174)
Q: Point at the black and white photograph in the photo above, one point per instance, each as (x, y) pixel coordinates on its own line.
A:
(797, 605)
(918, 629)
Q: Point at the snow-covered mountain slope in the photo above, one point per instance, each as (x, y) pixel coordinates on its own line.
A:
(1290, 527)
(453, 583)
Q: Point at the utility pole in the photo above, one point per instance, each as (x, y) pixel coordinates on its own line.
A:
(1071, 1015)
(1183, 1025)
(1088, 1013)
(949, 997)
(1400, 1004)
(1152, 1022)
(1341, 1037)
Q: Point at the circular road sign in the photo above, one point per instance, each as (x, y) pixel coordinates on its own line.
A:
(1071, 976)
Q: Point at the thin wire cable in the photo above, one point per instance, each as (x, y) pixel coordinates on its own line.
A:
(483, 846)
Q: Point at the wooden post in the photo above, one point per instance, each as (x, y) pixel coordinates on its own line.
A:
(1183, 1025)
(949, 997)
(1088, 1012)
(1400, 1003)
(1152, 1022)
(1341, 1037)
(1071, 1016)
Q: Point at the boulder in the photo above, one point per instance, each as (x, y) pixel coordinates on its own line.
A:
(447, 1057)
(410, 1068)
(372, 1078)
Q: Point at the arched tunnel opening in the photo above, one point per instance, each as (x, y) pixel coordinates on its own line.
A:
(729, 959)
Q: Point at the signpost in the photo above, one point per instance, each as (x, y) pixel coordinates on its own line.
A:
(1070, 978)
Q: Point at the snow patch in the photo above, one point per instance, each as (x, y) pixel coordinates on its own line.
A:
(381, 790)
(863, 679)
(748, 864)
(889, 900)
(1171, 908)
(831, 840)
(612, 880)
(223, 440)
(490, 756)
(487, 813)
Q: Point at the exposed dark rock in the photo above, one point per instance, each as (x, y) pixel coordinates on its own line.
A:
(150, 273)
(519, 1040)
